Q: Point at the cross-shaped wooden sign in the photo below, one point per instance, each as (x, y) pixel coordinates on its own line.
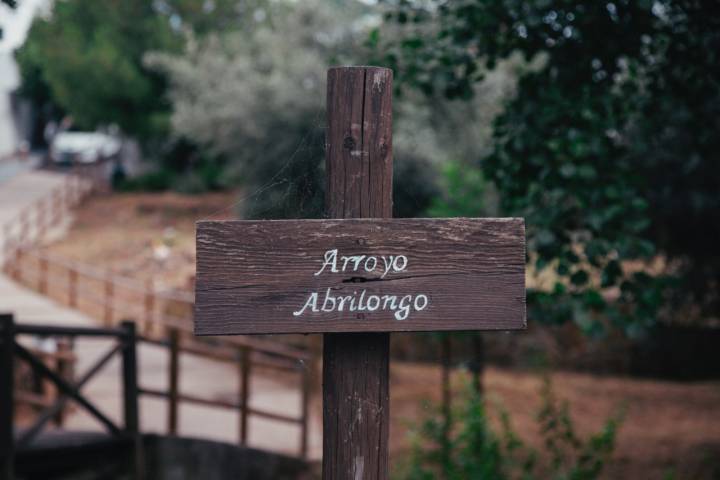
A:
(359, 272)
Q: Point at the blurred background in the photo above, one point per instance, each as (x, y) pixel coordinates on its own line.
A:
(122, 123)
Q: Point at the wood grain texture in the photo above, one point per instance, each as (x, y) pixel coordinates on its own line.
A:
(252, 275)
(359, 142)
(356, 366)
(356, 405)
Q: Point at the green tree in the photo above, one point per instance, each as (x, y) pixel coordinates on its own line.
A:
(89, 54)
(608, 148)
(255, 97)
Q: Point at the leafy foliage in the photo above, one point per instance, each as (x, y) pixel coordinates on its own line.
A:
(88, 56)
(607, 149)
(255, 98)
(466, 193)
(477, 450)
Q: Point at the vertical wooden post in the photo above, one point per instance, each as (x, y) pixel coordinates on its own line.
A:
(108, 303)
(131, 412)
(72, 286)
(67, 193)
(40, 219)
(77, 185)
(75, 190)
(43, 274)
(173, 381)
(65, 370)
(149, 306)
(24, 226)
(130, 380)
(17, 263)
(10, 257)
(7, 242)
(7, 447)
(56, 206)
(244, 393)
(359, 184)
(304, 410)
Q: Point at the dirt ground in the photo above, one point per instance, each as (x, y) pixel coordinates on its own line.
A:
(671, 429)
(142, 235)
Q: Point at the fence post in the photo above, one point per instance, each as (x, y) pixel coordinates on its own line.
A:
(7, 241)
(149, 305)
(40, 219)
(359, 185)
(56, 211)
(77, 194)
(130, 395)
(109, 292)
(24, 225)
(9, 254)
(72, 287)
(7, 447)
(244, 393)
(74, 190)
(17, 264)
(42, 281)
(65, 368)
(305, 400)
(67, 193)
(173, 381)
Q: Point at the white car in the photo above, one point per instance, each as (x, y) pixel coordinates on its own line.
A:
(83, 147)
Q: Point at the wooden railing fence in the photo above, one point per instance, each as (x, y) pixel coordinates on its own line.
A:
(34, 221)
(164, 318)
(12, 350)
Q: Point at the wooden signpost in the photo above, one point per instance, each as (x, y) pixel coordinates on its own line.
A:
(360, 275)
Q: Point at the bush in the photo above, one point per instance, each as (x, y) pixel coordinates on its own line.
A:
(180, 165)
(466, 193)
(467, 446)
(154, 181)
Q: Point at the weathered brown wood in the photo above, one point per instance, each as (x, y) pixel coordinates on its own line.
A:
(40, 219)
(72, 287)
(356, 405)
(356, 396)
(255, 276)
(173, 380)
(305, 379)
(7, 404)
(245, 366)
(149, 314)
(17, 265)
(42, 283)
(65, 359)
(404, 275)
(108, 301)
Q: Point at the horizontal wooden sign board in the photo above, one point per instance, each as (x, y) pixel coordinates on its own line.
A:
(360, 275)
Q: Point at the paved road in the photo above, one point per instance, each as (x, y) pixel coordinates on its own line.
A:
(11, 167)
(199, 376)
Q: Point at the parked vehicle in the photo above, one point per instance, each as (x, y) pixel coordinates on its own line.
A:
(82, 147)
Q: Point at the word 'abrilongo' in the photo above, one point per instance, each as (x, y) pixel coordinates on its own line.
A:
(401, 306)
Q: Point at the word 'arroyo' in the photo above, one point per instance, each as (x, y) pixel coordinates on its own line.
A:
(401, 306)
(369, 263)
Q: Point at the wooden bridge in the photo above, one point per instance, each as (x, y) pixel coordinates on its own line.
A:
(184, 384)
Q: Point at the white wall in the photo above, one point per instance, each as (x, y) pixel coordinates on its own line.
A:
(14, 24)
